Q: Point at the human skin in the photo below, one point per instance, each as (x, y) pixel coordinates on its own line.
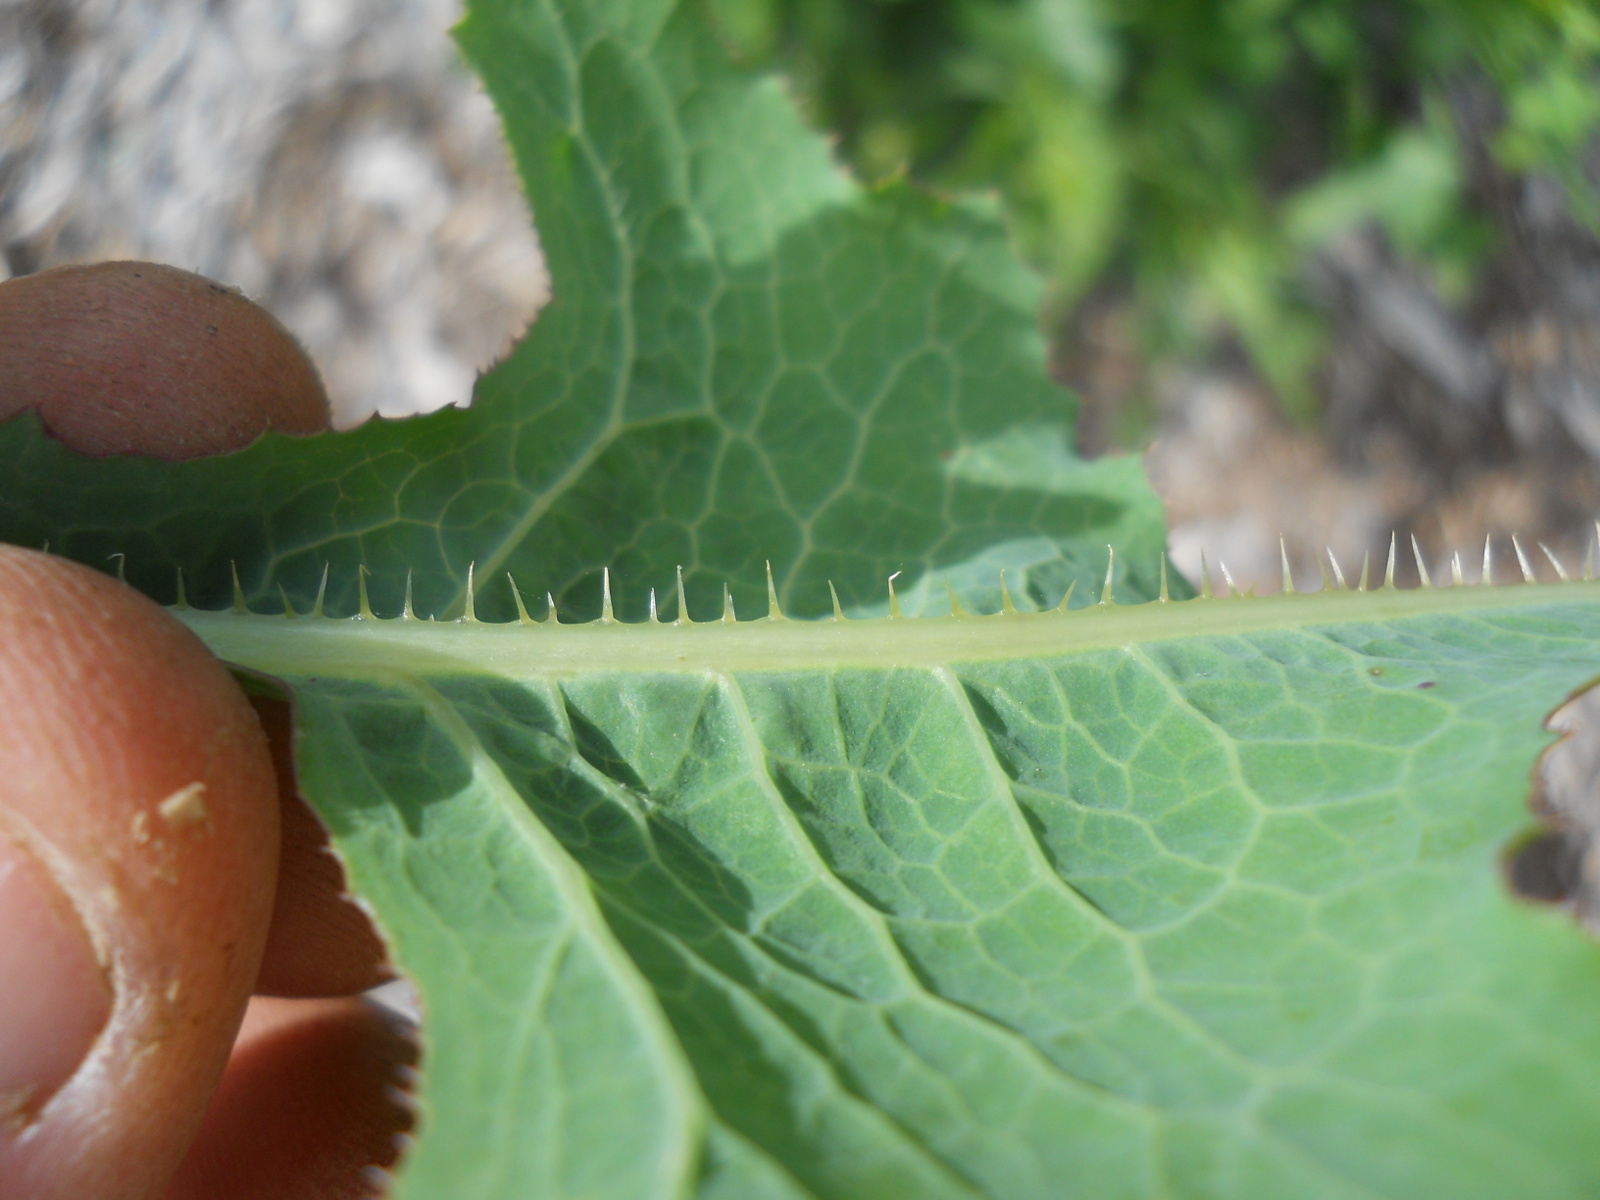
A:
(159, 875)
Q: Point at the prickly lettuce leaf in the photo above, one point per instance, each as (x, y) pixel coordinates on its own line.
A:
(1187, 900)
(747, 358)
(1196, 899)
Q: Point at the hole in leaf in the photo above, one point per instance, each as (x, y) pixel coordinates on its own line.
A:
(1560, 863)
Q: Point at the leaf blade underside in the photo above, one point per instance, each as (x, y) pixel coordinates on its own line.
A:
(1212, 913)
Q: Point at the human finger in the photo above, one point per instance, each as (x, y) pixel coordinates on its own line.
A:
(139, 815)
(141, 358)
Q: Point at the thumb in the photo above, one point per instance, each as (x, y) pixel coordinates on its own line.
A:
(138, 855)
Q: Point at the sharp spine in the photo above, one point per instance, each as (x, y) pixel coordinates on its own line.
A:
(1561, 571)
(322, 591)
(1457, 579)
(1283, 559)
(408, 610)
(1338, 573)
(1007, 608)
(683, 603)
(469, 612)
(1366, 565)
(1227, 578)
(1487, 578)
(1388, 570)
(122, 565)
(894, 601)
(1163, 595)
(183, 598)
(955, 603)
(1522, 560)
(774, 612)
(516, 597)
(1107, 596)
(1422, 566)
(655, 617)
(238, 591)
(838, 613)
(1205, 578)
(729, 617)
(550, 615)
(1062, 607)
(288, 609)
(364, 606)
(606, 614)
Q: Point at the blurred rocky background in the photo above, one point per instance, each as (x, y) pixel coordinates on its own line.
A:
(332, 158)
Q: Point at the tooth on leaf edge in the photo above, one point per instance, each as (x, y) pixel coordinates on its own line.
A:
(683, 603)
(470, 611)
(1561, 571)
(516, 596)
(1422, 566)
(774, 612)
(1007, 608)
(1107, 596)
(955, 604)
(1338, 573)
(1227, 578)
(1522, 560)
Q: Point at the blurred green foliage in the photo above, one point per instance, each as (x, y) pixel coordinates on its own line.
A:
(1193, 151)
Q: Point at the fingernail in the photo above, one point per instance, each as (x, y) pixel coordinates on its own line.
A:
(54, 998)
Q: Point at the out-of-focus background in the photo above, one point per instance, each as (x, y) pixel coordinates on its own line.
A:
(1334, 261)
(333, 158)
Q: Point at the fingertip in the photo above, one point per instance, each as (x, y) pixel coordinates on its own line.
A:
(132, 767)
(141, 358)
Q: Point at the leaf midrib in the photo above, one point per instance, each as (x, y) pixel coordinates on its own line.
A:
(361, 647)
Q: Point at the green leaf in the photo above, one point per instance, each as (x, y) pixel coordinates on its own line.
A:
(1192, 899)
(747, 358)
(1188, 899)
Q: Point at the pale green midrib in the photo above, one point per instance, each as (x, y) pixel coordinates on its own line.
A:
(360, 647)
